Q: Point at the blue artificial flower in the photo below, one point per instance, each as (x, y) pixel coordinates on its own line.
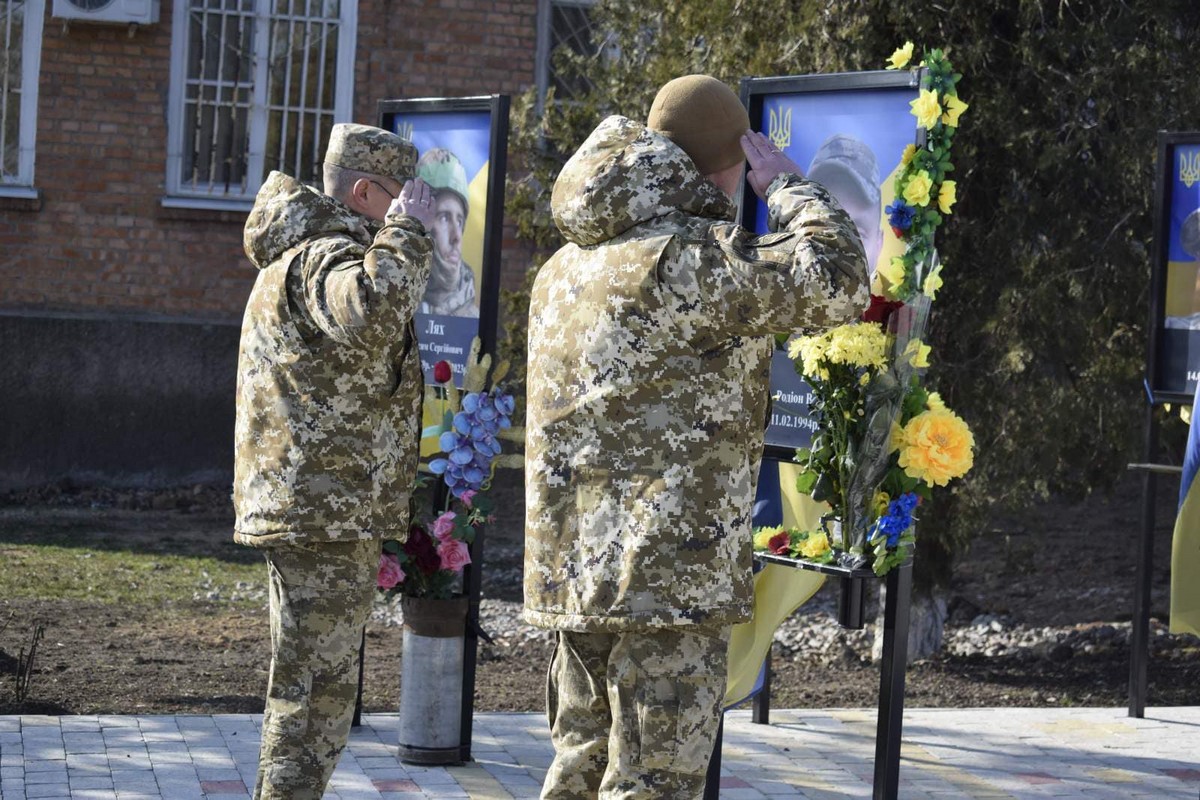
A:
(897, 520)
(471, 443)
(900, 215)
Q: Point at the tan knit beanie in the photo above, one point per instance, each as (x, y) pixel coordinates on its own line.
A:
(704, 117)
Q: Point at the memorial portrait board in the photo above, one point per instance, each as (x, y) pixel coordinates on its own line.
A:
(461, 143)
(1173, 367)
(848, 132)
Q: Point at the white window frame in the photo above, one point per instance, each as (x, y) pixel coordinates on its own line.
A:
(178, 196)
(21, 184)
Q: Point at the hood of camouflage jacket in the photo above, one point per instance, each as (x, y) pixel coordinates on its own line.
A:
(626, 174)
(286, 212)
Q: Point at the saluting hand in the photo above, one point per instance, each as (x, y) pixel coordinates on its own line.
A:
(415, 200)
(766, 162)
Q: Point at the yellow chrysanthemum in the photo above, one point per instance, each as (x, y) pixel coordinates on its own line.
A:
(815, 546)
(947, 195)
(917, 190)
(893, 271)
(933, 282)
(901, 57)
(926, 108)
(937, 447)
(910, 150)
(917, 352)
(954, 110)
(857, 345)
(763, 535)
(934, 402)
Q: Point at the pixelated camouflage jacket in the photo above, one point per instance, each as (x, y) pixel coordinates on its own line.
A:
(329, 377)
(649, 353)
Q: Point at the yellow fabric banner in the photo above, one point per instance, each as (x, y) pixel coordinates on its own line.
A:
(1185, 565)
(778, 591)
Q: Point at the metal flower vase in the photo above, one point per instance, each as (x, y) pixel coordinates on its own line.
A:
(431, 670)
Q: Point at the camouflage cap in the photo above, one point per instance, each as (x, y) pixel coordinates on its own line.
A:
(841, 154)
(442, 170)
(372, 150)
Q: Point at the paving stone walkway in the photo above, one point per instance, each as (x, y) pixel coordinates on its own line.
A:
(1099, 754)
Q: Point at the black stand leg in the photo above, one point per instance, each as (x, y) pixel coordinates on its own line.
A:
(760, 706)
(362, 654)
(891, 683)
(1140, 644)
(473, 578)
(712, 780)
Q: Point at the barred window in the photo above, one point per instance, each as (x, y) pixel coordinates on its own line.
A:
(566, 25)
(256, 86)
(21, 37)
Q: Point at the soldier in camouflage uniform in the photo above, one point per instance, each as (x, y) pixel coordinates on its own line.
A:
(649, 349)
(328, 408)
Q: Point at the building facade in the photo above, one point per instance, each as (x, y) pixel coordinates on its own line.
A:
(132, 148)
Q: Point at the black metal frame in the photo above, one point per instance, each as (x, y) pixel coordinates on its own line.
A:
(497, 106)
(754, 92)
(1139, 656)
(890, 723)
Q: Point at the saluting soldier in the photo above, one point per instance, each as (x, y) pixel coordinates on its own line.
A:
(649, 350)
(328, 405)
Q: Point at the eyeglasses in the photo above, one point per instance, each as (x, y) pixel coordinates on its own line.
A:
(385, 189)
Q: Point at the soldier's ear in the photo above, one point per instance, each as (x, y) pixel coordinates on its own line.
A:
(357, 197)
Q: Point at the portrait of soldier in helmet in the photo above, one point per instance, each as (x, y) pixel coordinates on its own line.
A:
(451, 289)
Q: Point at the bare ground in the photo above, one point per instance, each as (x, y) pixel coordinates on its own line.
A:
(210, 656)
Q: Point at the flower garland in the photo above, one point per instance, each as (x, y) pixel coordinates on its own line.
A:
(883, 442)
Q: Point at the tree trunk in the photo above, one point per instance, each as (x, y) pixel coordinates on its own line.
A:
(926, 625)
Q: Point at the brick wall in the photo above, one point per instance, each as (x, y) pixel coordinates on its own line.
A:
(100, 240)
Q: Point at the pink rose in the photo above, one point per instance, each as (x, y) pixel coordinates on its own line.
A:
(454, 554)
(390, 572)
(466, 497)
(443, 526)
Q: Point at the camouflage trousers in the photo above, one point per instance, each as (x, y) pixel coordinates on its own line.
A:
(320, 600)
(634, 715)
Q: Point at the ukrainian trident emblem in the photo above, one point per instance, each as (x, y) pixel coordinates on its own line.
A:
(779, 129)
(1189, 168)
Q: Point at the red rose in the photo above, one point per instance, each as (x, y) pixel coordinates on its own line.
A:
(780, 544)
(899, 233)
(880, 309)
(441, 372)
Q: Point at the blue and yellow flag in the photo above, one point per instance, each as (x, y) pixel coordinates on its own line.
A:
(1185, 547)
(778, 590)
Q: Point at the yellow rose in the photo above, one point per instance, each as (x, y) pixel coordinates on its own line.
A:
(880, 503)
(926, 109)
(910, 150)
(933, 282)
(937, 448)
(901, 57)
(918, 353)
(934, 402)
(954, 110)
(917, 190)
(947, 196)
(896, 440)
(815, 546)
(893, 271)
